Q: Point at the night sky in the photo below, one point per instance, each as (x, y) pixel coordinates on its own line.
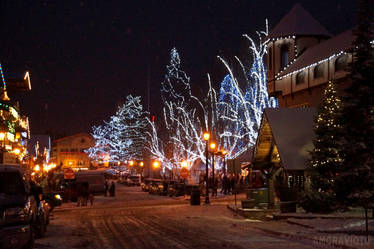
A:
(86, 56)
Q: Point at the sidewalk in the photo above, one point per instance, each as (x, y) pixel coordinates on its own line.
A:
(337, 230)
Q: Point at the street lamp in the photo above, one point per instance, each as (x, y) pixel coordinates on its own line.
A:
(156, 164)
(184, 164)
(224, 153)
(131, 163)
(206, 138)
(141, 164)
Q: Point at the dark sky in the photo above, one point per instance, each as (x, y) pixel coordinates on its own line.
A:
(86, 56)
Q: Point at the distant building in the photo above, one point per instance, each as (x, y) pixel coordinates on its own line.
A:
(302, 57)
(69, 151)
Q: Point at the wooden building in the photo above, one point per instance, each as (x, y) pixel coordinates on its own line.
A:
(302, 57)
(283, 144)
(70, 151)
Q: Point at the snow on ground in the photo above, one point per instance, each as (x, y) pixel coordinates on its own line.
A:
(135, 219)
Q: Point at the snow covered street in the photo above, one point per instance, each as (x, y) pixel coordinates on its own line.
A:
(135, 219)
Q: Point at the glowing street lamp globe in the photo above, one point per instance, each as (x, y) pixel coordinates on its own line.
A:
(213, 146)
(206, 136)
(184, 164)
(156, 164)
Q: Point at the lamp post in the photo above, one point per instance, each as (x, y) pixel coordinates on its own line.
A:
(206, 138)
(213, 149)
(224, 161)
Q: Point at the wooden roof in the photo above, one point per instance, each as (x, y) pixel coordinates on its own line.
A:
(286, 133)
(298, 22)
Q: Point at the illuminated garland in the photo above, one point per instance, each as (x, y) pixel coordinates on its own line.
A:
(309, 66)
(2, 77)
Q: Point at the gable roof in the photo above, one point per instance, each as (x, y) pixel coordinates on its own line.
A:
(298, 22)
(292, 132)
(321, 51)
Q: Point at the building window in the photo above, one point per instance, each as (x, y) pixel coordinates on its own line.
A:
(284, 56)
(318, 71)
(300, 78)
(270, 59)
(341, 63)
(74, 150)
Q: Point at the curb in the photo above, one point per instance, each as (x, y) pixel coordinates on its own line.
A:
(300, 237)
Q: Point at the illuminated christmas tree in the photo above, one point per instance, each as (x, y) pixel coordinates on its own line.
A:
(127, 131)
(123, 137)
(101, 148)
(326, 159)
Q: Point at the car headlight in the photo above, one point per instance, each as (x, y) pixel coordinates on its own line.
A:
(58, 197)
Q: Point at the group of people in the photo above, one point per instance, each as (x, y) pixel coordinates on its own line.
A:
(226, 183)
(84, 195)
(110, 189)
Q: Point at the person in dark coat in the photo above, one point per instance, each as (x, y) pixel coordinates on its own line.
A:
(106, 188)
(224, 185)
(112, 189)
(228, 184)
(233, 183)
(215, 186)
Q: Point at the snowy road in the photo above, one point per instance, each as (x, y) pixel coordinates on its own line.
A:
(134, 219)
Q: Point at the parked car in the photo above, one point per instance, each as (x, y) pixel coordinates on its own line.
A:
(111, 174)
(133, 180)
(146, 184)
(18, 209)
(156, 186)
(163, 190)
(175, 189)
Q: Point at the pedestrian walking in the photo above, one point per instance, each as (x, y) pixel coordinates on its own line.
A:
(224, 185)
(228, 185)
(106, 187)
(233, 183)
(112, 189)
(215, 186)
(91, 198)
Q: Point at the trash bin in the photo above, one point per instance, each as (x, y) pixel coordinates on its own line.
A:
(195, 196)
